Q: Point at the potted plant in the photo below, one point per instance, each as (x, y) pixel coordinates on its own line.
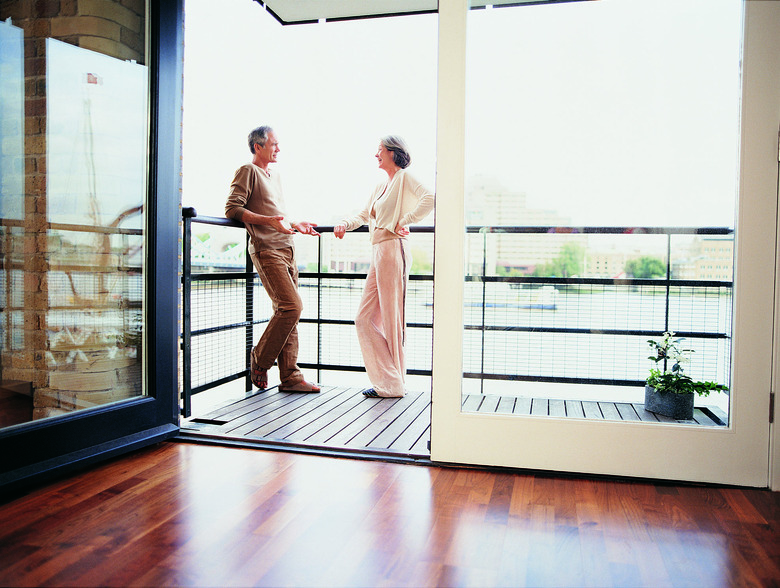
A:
(669, 391)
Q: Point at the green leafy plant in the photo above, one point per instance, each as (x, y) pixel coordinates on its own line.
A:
(670, 351)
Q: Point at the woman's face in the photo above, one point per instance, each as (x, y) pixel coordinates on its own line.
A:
(385, 158)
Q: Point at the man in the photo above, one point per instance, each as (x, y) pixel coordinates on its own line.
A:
(255, 199)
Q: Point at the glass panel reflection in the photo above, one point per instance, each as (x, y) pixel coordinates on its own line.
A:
(74, 98)
(601, 158)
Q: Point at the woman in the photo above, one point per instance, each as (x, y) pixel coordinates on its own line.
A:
(380, 321)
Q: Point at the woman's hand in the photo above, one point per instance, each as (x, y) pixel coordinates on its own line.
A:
(339, 231)
(399, 230)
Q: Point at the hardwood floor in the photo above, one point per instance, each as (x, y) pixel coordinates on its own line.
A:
(196, 515)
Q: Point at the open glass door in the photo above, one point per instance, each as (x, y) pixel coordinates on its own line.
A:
(595, 173)
(89, 101)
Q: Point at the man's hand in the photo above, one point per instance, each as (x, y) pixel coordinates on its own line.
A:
(275, 222)
(252, 218)
(305, 228)
(339, 231)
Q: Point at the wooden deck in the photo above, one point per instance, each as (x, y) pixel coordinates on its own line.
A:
(341, 418)
(600, 411)
(335, 418)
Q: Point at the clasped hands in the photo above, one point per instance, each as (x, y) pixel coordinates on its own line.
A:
(307, 228)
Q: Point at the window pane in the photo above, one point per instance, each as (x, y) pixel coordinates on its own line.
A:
(591, 126)
(74, 104)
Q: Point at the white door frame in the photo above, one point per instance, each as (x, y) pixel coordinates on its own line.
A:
(761, 165)
(738, 454)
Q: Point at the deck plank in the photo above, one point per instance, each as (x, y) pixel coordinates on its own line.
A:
(351, 408)
(414, 431)
(472, 403)
(522, 406)
(644, 415)
(610, 411)
(241, 407)
(490, 404)
(238, 410)
(368, 436)
(274, 405)
(286, 407)
(422, 446)
(404, 419)
(574, 409)
(724, 418)
(371, 417)
(627, 412)
(506, 405)
(539, 406)
(330, 423)
(302, 415)
(592, 411)
(557, 408)
(703, 419)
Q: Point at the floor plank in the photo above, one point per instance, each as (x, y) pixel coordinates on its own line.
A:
(184, 514)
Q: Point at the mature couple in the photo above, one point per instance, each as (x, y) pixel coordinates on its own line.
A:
(256, 200)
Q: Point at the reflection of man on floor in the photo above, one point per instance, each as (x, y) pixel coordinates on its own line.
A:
(255, 199)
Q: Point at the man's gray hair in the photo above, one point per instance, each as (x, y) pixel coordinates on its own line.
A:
(399, 149)
(258, 135)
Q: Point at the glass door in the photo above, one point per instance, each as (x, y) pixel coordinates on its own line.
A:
(89, 228)
(597, 174)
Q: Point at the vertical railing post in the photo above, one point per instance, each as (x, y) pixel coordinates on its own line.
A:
(484, 231)
(319, 309)
(249, 313)
(668, 278)
(186, 308)
(668, 283)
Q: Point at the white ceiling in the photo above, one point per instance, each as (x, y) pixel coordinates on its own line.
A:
(306, 11)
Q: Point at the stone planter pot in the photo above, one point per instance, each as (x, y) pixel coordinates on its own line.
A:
(676, 406)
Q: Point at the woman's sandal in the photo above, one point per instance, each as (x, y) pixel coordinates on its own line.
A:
(371, 393)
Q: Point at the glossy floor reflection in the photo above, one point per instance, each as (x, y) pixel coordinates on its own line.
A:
(194, 515)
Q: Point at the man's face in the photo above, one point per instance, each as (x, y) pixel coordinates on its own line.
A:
(267, 154)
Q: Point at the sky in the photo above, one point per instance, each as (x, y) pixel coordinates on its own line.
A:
(616, 112)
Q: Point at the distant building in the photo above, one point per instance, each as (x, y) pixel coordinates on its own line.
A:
(352, 254)
(708, 258)
(490, 204)
(609, 263)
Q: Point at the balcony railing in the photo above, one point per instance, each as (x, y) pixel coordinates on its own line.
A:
(550, 329)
